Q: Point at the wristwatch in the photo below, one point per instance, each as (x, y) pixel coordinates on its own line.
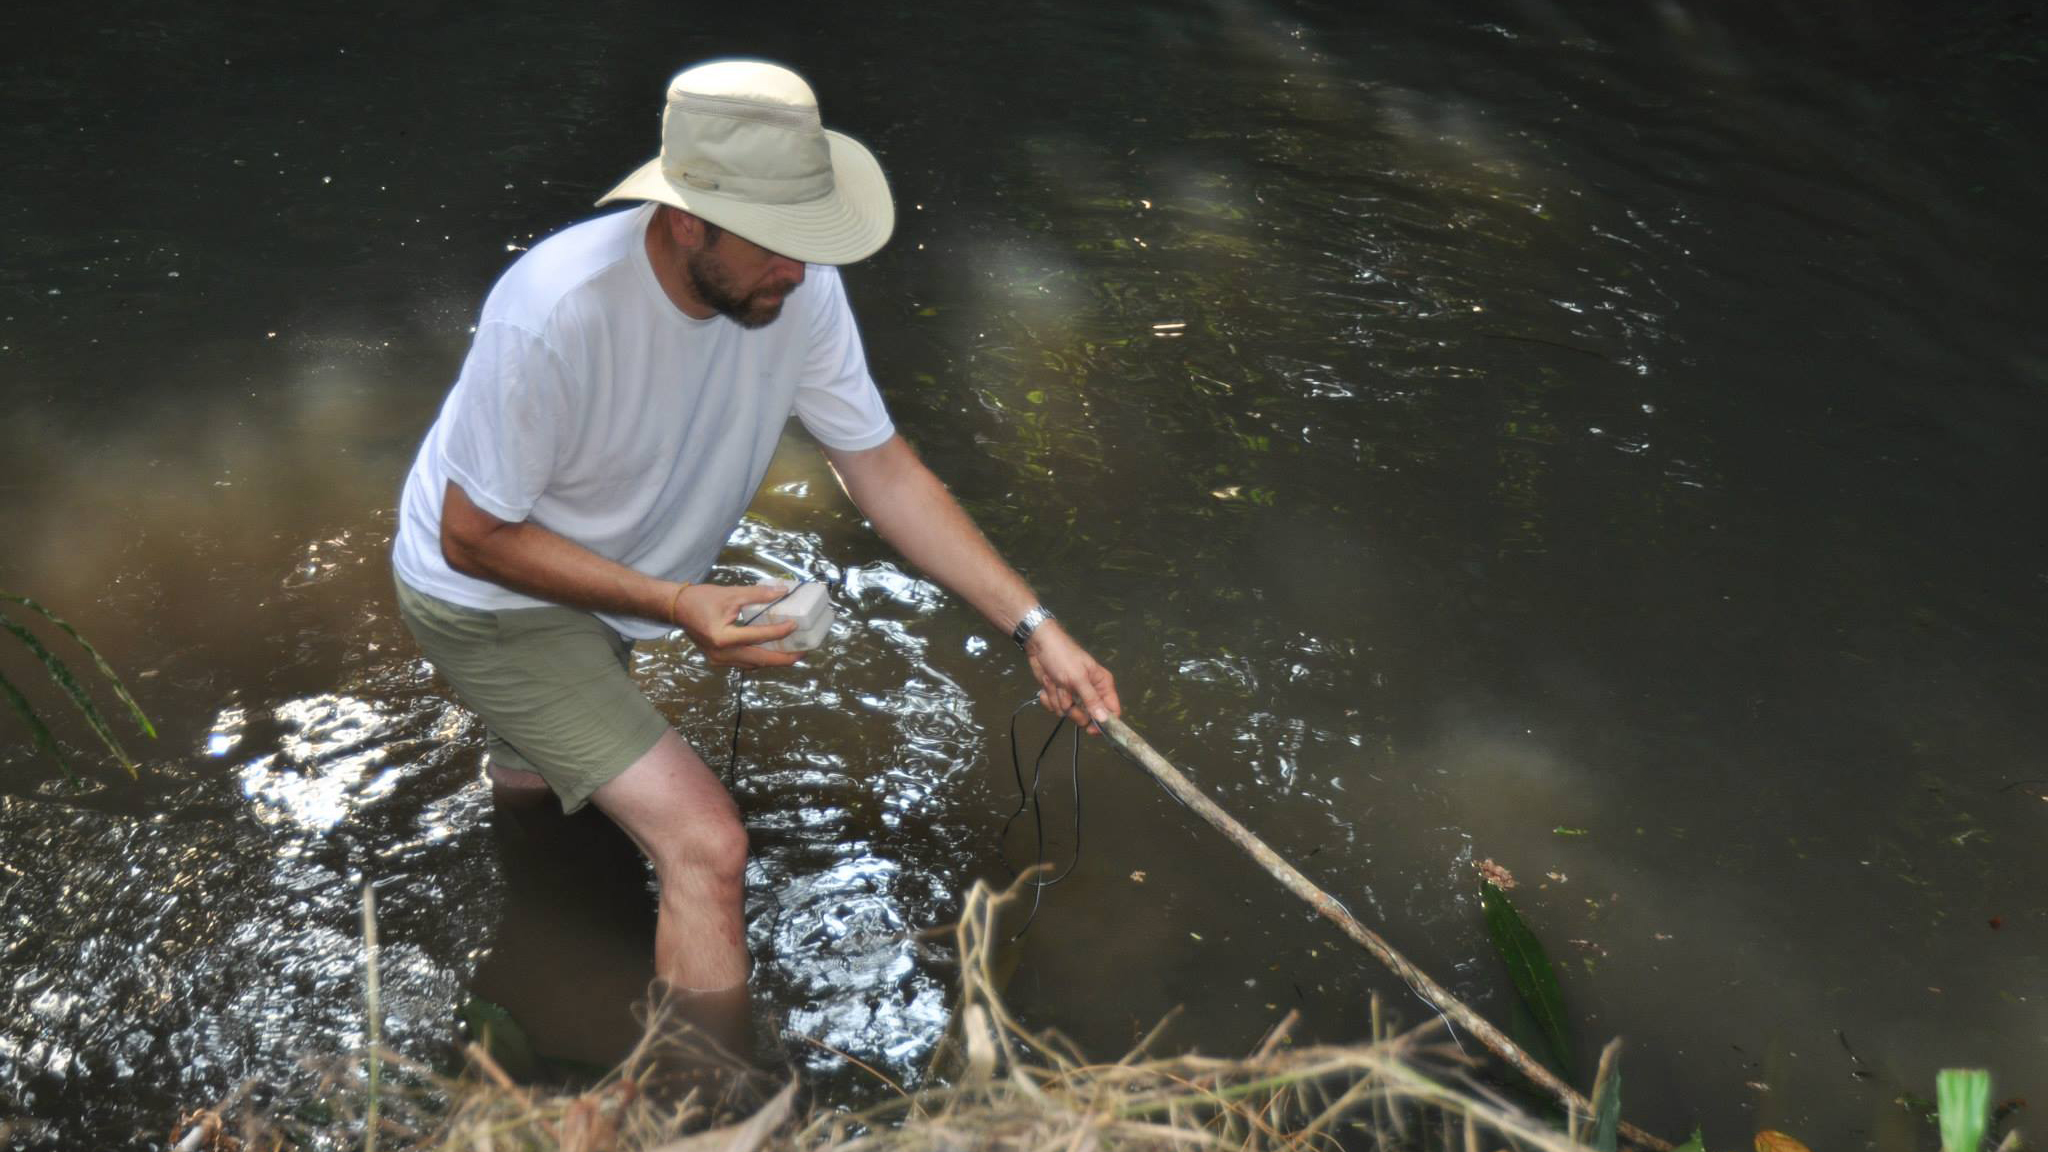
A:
(1029, 623)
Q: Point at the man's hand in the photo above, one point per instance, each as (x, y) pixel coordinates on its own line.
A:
(707, 613)
(1071, 683)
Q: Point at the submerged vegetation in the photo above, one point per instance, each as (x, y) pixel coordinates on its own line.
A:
(60, 673)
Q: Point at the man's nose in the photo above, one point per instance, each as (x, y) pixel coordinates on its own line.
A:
(791, 270)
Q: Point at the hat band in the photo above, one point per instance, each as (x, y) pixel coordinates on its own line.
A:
(757, 189)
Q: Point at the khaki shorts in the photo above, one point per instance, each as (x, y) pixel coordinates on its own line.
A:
(553, 685)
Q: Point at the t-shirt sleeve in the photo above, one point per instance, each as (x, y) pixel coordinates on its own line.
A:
(837, 400)
(506, 420)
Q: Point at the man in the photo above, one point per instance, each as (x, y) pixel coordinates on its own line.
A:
(628, 382)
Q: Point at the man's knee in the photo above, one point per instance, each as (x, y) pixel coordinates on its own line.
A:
(715, 847)
(712, 849)
(671, 803)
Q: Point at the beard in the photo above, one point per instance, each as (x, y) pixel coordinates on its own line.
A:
(713, 285)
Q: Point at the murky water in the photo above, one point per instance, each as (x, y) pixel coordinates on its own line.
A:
(1455, 426)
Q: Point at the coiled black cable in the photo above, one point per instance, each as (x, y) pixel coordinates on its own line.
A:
(1030, 799)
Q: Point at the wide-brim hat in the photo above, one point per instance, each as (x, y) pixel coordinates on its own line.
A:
(742, 146)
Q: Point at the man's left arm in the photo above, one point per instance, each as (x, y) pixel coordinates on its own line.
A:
(913, 511)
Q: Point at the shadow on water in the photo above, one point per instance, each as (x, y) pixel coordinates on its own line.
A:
(1598, 438)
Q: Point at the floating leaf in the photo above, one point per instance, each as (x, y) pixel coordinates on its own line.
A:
(1769, 1141)
(1529, 966)
(1695, 1144)
(1964, 1097)
(1561, 830)
(1036, 395)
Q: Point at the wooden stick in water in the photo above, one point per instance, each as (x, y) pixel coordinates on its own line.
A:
(1133, 746)
(376, 1009)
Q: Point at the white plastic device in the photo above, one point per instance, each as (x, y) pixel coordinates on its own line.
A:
(808, 606)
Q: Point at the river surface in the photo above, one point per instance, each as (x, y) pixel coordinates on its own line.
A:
(1597, 438)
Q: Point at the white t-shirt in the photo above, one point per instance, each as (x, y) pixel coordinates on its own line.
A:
(591, 406)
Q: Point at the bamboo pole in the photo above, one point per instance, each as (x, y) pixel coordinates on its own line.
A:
(1134, 747)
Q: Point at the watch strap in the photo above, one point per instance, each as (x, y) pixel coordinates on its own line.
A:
(1029, 622)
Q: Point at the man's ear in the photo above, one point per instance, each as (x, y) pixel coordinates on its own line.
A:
(684, 228)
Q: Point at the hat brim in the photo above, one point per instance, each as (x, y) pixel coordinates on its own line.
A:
(851, 223)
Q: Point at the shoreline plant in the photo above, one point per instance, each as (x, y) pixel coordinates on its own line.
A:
(61, 674)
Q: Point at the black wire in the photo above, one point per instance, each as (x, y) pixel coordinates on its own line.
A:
(1030, 799)
(739, 714)
(739, 690)
(1025, 798)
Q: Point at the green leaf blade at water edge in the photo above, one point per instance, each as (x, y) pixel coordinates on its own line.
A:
(1964, 1098)
(38, 731)
(1697, 1143)
(1607, 1110)
(61, 673)
(107, 670)
(502, 1036)
(1530, 968)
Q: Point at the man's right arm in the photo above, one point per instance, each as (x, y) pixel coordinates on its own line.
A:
(528, 558)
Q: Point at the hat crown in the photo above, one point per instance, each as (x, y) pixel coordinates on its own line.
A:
(755, 80)
(747, 130)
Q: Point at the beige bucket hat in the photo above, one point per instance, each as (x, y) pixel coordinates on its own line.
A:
(742, 146)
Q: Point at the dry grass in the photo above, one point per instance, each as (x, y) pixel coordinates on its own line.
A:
(993, 1085)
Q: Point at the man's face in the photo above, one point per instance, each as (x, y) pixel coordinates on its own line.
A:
(742, 280)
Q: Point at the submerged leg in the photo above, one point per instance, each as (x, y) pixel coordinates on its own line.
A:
(675, 809)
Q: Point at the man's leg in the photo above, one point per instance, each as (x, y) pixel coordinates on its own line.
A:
(515, 786)
(674, 807)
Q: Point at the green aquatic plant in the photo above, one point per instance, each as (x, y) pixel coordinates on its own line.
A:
(1607, 1099)
(60, 673)
(1530, 968)
(1964, 1098)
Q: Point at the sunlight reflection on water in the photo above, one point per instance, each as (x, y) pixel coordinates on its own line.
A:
(326, 765)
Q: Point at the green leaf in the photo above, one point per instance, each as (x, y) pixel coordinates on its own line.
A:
(501, 1036)
(61, 673)
(1607, 1103)
(1529, 967)
(38, 730)
(1964, 1097)
(100, 662)
(1696, 1144)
